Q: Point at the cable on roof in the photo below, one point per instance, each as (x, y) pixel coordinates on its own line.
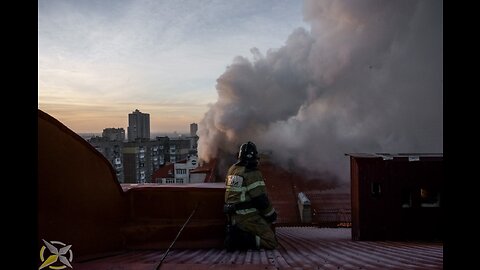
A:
(176, 237)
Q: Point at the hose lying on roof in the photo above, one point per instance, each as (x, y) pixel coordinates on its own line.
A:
(176, 237)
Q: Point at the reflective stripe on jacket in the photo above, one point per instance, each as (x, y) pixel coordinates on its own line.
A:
(241, 185)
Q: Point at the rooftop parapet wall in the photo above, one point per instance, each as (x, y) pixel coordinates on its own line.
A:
(157, 212)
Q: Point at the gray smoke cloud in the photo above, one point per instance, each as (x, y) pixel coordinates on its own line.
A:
(367, 77)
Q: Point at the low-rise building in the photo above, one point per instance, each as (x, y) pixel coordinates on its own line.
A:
(178, 173)
(164, 175)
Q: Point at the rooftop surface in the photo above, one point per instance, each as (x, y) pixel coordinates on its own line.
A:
(395, 155)
(300, 248)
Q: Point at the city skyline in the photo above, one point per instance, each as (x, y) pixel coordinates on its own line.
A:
(98, 61)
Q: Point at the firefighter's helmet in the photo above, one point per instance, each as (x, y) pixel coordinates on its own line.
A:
(248, 152)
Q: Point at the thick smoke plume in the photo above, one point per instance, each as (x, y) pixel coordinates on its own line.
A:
(367, 77)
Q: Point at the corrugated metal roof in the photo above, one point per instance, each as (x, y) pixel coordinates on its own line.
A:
(300, 248)
(392, 155)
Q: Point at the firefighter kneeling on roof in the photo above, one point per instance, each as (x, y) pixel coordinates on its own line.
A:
(249, 212)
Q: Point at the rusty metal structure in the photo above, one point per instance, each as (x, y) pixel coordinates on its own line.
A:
(396, 196)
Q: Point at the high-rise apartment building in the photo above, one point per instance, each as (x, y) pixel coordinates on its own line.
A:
(179, 149)
(112, 150)
(114, 134)
(193, 129)
(143, 157)
(138, 126)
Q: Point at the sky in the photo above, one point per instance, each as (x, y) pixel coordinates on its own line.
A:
(98, 61)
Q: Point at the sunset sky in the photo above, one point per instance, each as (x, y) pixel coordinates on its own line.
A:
(100, 60)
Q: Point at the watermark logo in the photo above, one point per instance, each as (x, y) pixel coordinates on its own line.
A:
(58, 255)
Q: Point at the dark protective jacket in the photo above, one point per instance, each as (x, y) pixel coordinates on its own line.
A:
(253, 212)
(244, 185)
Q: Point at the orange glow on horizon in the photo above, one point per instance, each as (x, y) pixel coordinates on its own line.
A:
(93, 119)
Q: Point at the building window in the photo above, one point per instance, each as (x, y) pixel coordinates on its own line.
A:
(170, 181)
(429, 198)
(181, 171)
(180, 181)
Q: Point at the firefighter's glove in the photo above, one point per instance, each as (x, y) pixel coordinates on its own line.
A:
(271, 217)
